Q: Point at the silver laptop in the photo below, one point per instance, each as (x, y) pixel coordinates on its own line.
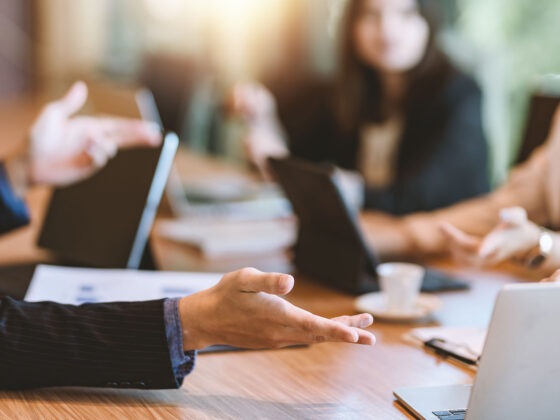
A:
(519, 371)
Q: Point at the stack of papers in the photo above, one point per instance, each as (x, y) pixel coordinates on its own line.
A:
(223, 238)
(84, 285)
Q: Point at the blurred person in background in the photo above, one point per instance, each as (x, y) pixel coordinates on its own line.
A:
(399, 113)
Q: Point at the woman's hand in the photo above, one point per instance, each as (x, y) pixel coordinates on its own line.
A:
(245, 310)
(253, 102)
(513, 237)
(555, 278)
(65, 149)
(263, 137)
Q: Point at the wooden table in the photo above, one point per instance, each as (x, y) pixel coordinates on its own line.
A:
(327, 381)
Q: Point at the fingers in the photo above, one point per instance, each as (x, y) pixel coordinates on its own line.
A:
(252, 101)
(250, 280)
(312, 325)
(491, 245)
(74, 99)
(365, 338)
(555, 278)
(100, 151)
(127, 133)
(459, 237)
(357, 321)
(294, 336)
(495, 248)
(97, 155)
(297, 338)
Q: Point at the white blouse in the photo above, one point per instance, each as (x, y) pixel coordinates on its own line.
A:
(379, 149)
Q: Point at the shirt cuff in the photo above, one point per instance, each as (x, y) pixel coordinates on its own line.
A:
(182, 362)
(13, 210)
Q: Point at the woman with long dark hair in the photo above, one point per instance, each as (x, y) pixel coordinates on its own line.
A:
(398, 112)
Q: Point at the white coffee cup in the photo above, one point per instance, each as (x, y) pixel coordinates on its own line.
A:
(400, 284)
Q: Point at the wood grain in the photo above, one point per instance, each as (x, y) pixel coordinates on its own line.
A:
(327, 381)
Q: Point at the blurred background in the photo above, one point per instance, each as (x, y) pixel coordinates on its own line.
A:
(189, 52)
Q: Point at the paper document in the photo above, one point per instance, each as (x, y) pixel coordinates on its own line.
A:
(84, 285)
(217, 238)
(466, 342)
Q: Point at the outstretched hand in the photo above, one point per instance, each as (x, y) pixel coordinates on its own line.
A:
(513, 237)
(65, 149)
(263, 138)
(245, 310)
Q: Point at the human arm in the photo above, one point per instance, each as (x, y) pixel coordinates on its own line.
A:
(421, 234)
(151, 344)
(514, 238)
(102, 345)
(531, 186)
(264, 135)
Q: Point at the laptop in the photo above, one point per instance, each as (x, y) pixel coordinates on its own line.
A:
(519, 369)
(330, 246)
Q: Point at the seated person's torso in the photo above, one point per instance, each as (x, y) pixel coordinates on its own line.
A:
(427, 159)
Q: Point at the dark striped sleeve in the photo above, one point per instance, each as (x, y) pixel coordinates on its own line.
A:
(121, 345)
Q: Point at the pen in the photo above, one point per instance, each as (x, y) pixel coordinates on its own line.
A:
(438, 347)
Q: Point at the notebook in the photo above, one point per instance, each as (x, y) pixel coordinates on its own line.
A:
(461, 344)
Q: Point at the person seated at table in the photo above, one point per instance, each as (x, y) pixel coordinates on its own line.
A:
(507, 223)
(399, 113)
(138, 344)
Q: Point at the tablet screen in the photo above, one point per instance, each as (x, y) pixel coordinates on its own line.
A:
(105, 221)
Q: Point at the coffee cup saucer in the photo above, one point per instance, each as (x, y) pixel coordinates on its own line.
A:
(374, 303)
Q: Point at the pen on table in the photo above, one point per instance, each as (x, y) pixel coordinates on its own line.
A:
(435, 345)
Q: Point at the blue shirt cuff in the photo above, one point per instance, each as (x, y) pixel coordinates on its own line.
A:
(181, 362)
(13, 210)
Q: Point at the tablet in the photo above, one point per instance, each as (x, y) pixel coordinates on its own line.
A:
(105, 221)
(330, 246)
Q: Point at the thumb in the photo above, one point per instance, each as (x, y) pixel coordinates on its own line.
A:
(74, 99)
(250, 280)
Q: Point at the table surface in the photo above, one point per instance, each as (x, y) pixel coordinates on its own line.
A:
(326, 381)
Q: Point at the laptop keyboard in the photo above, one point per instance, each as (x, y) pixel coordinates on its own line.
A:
(451, 414)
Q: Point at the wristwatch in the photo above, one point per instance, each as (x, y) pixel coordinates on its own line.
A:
(541, 252)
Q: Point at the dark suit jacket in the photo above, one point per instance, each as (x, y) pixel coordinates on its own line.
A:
(443, 155)
(47, 344)
(121, 345)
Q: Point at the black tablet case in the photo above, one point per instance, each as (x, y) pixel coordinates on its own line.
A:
(330, 247)
(105, 221)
